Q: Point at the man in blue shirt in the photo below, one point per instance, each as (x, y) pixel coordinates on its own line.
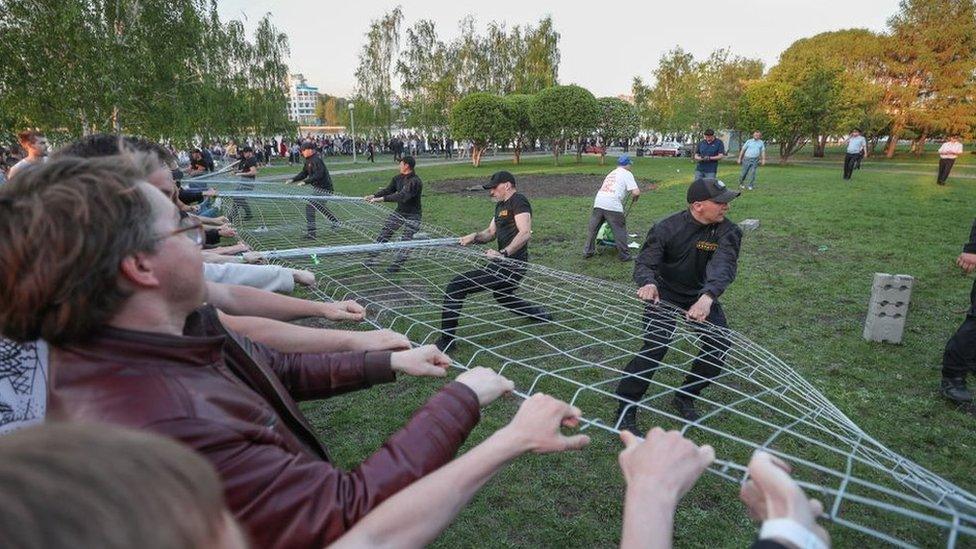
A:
(856, 147)
(751, 155)
(708, 153)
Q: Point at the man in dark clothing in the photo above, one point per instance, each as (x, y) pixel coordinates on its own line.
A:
(512, 225)
(688, 259)
(315, 173)
(248, 171)
(959, 357)
(199, 163)
(404, 189)
(708, 152)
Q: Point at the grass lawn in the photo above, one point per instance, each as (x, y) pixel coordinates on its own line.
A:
(802, 291)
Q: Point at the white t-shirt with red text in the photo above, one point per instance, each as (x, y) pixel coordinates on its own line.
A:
(616, 185)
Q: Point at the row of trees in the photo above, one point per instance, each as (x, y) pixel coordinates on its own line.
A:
(558, 114)
(916, 81)
(165, 68)
(413, 78)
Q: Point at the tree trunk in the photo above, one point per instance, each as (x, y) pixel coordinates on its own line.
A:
(518, 153)
(603, 157)
(893, 140)
(555, 152)
(476, 156)
(819, 145)
(579, 150)
(918, 147)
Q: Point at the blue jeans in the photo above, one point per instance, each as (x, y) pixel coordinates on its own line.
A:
(705, 175)
(749, 168)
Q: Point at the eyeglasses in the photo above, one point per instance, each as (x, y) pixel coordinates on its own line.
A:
(189, 228)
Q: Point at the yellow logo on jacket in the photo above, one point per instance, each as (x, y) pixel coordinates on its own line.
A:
(503, 213)
(706, 246)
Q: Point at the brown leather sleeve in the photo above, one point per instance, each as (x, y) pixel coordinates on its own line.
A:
(312, 376)
(288, 500)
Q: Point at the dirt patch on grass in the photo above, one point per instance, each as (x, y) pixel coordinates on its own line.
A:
(534, 186)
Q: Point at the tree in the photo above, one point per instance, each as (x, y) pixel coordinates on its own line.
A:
(517, 108)
(376, 63)
(929, 69)
(482, 118)
(428, 82)
(560, 113)
(787, 112)
(618, 120)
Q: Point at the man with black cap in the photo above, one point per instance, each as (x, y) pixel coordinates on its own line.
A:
(315, 173)
(248, 170)
(688, 259)
(512, 225)
(404, 189)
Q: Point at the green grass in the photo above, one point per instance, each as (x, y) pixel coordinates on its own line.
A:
(802, 291)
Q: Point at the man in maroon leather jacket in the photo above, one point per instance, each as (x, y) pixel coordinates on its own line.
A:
(98, 264)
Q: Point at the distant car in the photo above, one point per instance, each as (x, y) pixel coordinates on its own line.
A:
(594, 149)
(667, 149)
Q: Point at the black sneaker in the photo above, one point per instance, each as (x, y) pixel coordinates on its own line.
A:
(954, 389)
(587, 256)
(444, 343)
(685, 405)
(627, 419)
(394, 268)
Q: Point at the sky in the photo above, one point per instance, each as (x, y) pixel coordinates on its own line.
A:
(602, 45)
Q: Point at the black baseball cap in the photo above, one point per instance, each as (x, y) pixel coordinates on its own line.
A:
(498, 178)
(307, 145)
(710, 189)
(409, 161)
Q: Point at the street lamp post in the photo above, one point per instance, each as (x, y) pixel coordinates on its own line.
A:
(352, 122)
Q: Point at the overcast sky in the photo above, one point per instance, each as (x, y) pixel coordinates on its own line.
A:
(603, 44)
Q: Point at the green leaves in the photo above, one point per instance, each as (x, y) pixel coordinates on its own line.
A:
(482, 118)
(563, 112)
(163, 68)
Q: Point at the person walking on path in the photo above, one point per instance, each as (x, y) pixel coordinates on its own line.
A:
(856, 149)
(608, 206)
(948, 152)
(708, 152)
(751, 156)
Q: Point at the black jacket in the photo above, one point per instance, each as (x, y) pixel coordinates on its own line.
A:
(970, 247)
(315, 173)
(405, 191)
(686, 259)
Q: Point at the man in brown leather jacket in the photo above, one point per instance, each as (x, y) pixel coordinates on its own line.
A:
(99, 264)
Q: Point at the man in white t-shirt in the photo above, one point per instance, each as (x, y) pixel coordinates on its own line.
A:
(609, 206)
(36, 146)
(856, 150)
(948, 153)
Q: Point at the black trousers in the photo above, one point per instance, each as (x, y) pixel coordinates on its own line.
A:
(318, 205)
(659, 327)
(960, 351)
(945, 166)
(410, 224)
(239, 204)
(850, 161)
(618, 224)
(499, 277)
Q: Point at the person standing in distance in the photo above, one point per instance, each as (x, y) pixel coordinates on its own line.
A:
(512, 224)
(608, 206)
(708, 152)
(37, 148)
(688, 259)
(948, 152)
(857, 148)
(751, 156)
(405, 189)
(248, 171)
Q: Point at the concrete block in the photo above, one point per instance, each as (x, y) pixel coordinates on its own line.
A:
(888, 308)
(749, 224)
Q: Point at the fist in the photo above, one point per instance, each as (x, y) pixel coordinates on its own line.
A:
(649, 293)
(486, 384)
(426, 361)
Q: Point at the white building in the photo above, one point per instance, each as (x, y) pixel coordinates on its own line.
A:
(301, 99)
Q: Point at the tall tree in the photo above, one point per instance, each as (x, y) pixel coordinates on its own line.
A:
(517, 107)
(376, 64)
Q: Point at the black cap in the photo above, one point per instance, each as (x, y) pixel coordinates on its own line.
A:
(498, 178)
(307, 145)
(710, 189)
(409, 161)
(709, 132)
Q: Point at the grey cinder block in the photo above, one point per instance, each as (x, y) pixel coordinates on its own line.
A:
(888, 307)
(749, 224)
